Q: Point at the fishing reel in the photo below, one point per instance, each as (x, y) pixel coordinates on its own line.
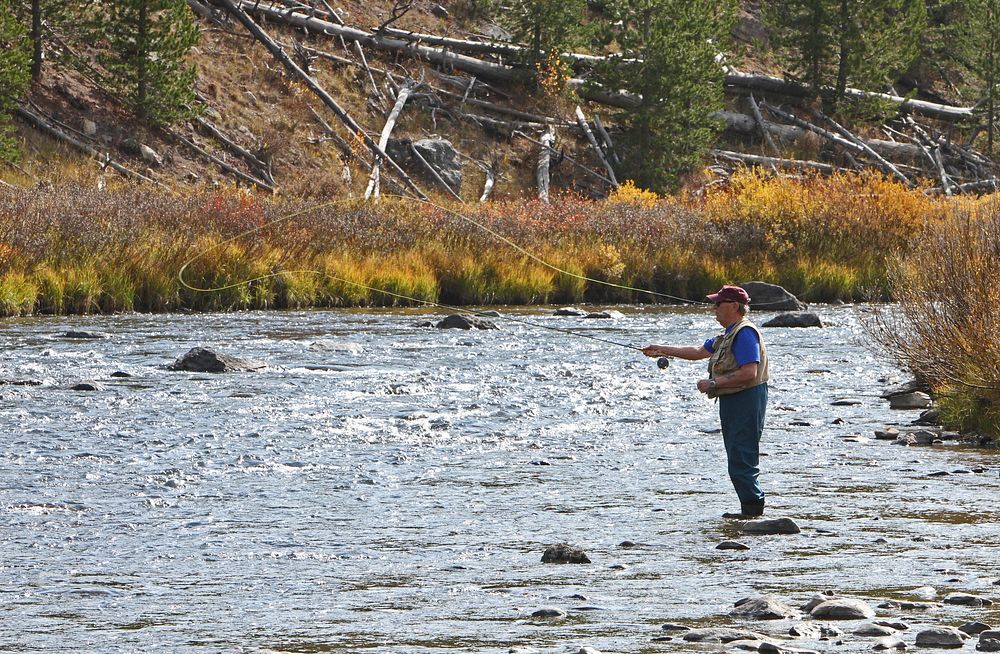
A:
(663, 363)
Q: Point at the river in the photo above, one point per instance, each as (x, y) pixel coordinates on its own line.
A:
(390, 489)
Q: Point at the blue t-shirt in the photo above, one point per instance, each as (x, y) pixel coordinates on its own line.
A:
(746, 346)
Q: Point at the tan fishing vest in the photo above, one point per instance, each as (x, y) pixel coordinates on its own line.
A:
(723, 361)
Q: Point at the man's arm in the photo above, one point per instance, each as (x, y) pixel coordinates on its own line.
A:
(691, 353)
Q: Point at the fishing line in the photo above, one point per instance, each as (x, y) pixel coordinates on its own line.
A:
(321, 273)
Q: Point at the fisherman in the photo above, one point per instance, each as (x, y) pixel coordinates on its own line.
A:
(737, 376)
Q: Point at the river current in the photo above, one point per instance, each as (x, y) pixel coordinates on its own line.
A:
(386, 488)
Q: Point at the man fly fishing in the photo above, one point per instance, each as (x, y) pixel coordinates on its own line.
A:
(737, 376)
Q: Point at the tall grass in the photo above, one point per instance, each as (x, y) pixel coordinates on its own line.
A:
(76, 250)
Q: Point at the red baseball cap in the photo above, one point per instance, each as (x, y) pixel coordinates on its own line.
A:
(730, 294)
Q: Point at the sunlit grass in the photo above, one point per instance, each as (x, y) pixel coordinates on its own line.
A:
(79, 250)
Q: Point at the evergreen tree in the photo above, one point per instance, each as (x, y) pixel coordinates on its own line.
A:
(833, 44)
(547, 27)
(980, 41)
(670, 53)
(15, 74)
(146, 43)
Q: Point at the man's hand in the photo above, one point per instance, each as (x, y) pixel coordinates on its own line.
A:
(705, 385)
(654, 351)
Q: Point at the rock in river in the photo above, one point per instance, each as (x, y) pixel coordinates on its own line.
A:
(794, 319)
(914, 400)
(964, 599)
(771, 297)
(765, 607)
(200, 359)
(564, 553)
(456, 321)
(843, 609)
(772, 526)
(941, 637)
(720, 635)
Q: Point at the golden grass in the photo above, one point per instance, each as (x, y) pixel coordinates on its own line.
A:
(74, 249)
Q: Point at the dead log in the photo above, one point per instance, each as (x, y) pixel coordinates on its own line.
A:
(542, 169)
(390, 122)
(566, 157)
(292, 67)
(235, 172)
(582, 121)
(985, 186)
(609, 147)
(491, 179)
(804, 124)
(371, 78)
(885, 165)
(776, 85)
(238, 150)
(42, 125)
(437, 56)
(760, 127)
(792, 164)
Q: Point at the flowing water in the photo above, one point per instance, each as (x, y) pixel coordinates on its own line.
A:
(387, 488)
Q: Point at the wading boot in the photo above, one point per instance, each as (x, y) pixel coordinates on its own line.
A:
(748, 510)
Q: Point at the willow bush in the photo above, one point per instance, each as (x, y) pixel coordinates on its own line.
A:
(945, 325)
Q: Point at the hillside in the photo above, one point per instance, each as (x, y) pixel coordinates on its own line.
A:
(261, 126)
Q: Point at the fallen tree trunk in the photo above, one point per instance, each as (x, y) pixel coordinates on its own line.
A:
(237, 149)
(991, 185)
(235, 172)
(582, 121)
(776, 85)
(40, 124)
(566, 157)
(434, 173)
(883, 163)
(793, 164)
(383, 141)
(292, 67)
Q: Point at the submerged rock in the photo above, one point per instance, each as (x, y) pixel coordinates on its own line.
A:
(889, 642)
(456, 321)
(611, 313)
(549, 612)
(81, 335)
(731, 545)
(86, 386)
(200, 359)
(564, 553)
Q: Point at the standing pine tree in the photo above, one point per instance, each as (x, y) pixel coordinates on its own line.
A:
(670, 52)
(146, 43)
(547, 27)
(832, 44)
(980, 41)
(15, 74)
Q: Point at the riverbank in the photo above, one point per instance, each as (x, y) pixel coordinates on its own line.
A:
(79, 250)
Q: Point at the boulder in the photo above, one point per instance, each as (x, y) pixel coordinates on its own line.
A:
(818, 599)
(794, 319)
(974, 628)
(89, 128)
(906, 388)
(564, 553)
(441, 155)
(815, 631)
(871, 629)
(765, 607)
(946, 637)
(86, 386)
(200, 359)
(150, 156)
(771, 297)
(843, 609)
(914, 400)
(772, 526)
(964, 599)
(888, 434)
(988, 645)
(456, 321)
(605, 314)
